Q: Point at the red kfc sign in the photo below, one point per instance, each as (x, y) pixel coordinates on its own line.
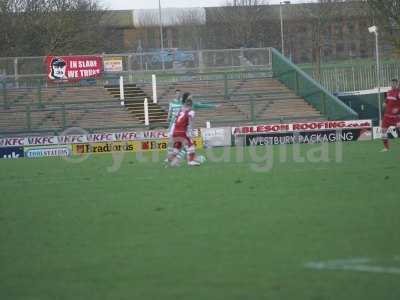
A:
(73, 68)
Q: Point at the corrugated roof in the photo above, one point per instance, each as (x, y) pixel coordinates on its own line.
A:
(169, 16)
(300, 10)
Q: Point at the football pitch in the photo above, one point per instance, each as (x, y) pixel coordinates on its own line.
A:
(289, 226)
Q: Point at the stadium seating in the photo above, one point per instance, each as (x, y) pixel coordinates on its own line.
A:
(54, 108)
(241, 101)
(248, 100)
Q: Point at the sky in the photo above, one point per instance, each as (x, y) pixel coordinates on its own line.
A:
(146, 4)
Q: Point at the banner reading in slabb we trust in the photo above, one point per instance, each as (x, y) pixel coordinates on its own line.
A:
(73, 68)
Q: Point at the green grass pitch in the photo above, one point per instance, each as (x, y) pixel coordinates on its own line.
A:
(222, 231)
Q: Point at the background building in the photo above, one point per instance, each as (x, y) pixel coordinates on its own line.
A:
(331, 31)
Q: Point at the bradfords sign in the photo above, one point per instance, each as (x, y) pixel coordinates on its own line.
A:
(73, 68)
(130, 146)
(105, 147)
(83, 139)
(303, 127)
(38, 152)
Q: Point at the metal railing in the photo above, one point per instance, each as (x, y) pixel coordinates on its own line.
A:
(175, 60)
(355, 77)
(138, 66)
(305, 86)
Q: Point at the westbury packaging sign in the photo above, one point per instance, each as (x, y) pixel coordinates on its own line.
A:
(73, 68)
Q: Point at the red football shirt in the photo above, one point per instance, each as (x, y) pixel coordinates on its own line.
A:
(183, 121)
(392, 102)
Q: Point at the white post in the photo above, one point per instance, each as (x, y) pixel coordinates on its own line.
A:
(374, 29)
(16, 72)
(270, 57)
(121, 90)
(154, 84)
(208, 124)
(146, 112)
(378, 74)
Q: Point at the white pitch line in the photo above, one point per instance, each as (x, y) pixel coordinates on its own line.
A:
(354, 264)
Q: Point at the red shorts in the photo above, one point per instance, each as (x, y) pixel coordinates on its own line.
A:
(390, 120)
(181, 139)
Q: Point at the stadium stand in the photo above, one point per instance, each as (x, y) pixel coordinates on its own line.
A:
(248, 100)
(242, 101)
(55, 108)
(272, 100)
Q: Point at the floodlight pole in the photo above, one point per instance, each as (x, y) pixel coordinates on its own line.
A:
(374, 29)
(281, 17)
(282, 41)
(161, 35)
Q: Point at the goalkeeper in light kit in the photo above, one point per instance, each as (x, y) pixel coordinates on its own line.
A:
(181, 136)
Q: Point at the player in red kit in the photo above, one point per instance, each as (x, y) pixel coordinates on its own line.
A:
(181, 135)
(391, 116)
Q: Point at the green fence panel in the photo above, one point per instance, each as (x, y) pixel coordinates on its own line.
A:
(297, 80)
(355, 77)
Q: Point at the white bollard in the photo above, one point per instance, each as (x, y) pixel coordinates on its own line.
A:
(121, 90)
(146, 112)
(154, 84)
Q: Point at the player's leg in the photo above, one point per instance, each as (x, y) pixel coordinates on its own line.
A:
(175, 157)
(385, 126)
(385, 139)
(182, 154)
(398, 124)
(191, 153)
(170, 145)
(170, 148)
